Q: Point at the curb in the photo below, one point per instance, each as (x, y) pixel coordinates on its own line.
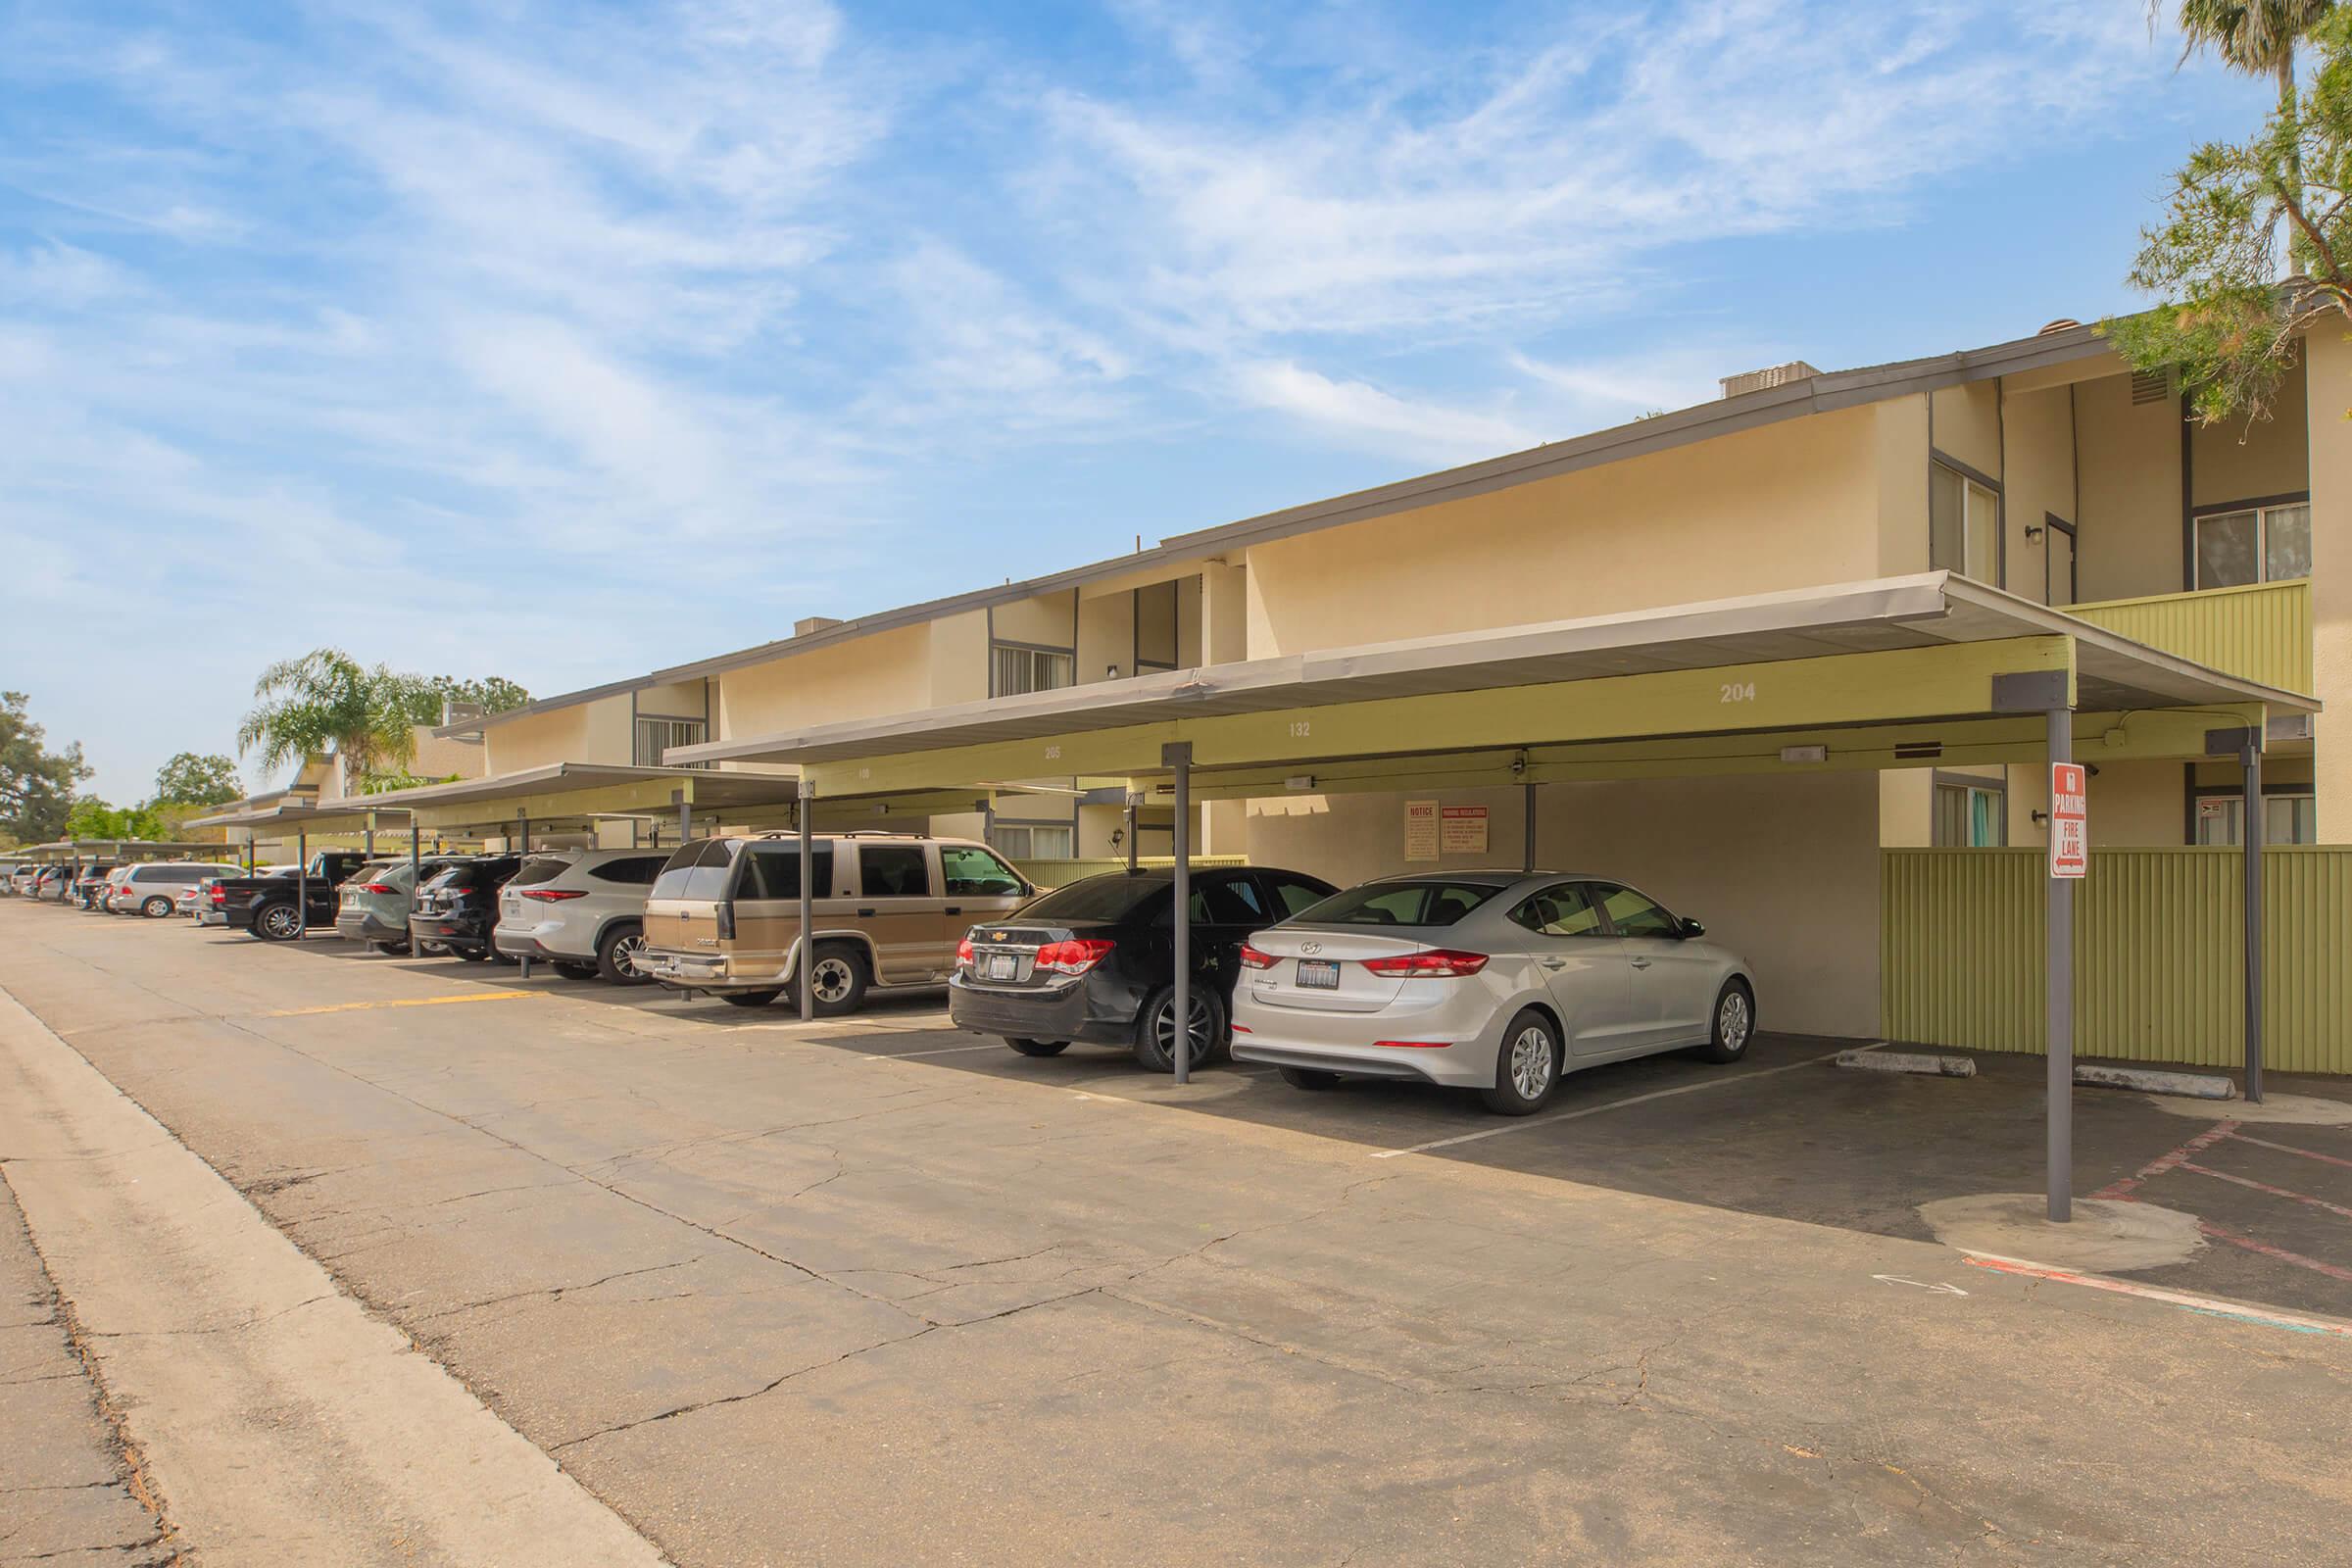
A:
(1913, 1062)
(2149, 1080)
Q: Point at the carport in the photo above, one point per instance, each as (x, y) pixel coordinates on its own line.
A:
(361, 816)
(1889, 673)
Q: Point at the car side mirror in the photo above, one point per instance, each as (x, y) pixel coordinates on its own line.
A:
(1692, 928)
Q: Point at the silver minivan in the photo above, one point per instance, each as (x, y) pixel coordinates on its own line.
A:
(159, 888)
(891, 909)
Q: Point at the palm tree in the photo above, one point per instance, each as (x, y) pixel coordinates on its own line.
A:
(327, 701)
(2257, 37)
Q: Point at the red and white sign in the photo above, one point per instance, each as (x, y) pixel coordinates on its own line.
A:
(2070, 820)
(1462, 830)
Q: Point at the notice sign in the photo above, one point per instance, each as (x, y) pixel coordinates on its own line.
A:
(1420, 830)
(2070, 820)
(1462, 830)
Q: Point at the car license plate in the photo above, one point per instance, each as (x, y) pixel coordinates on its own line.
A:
(1003, 966)
(1318, 974)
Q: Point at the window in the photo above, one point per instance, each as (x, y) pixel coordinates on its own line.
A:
(657, 735)
(2254, 544)
(1437, 902)
(892, 871)
(1566, 911)
(1232, 900)
(540, 868)
(1031, 841)
(2287, 818)
(1031, 670)
(1292, 895)
(971, 872)
(697, 870)
(1633, 915)
(1964, 525)
(635, 870)
(1971, 815)
(773, 870)
(1098, 898)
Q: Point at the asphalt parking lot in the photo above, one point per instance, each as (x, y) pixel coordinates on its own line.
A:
(876, 1291)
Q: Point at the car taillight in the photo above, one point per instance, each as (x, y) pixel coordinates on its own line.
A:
(554, 895)
(1435, 963)
(220, 895)
(726, 922)
(1074, 956)
(378, 887)
(1252, 958)
(963, 953)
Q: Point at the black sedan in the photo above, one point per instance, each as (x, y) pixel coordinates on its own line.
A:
(458, 910)
(1096, 961)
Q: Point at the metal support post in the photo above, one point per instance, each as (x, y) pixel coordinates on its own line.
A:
(1528, 791)
(1178, 754)
(1135, 798)
(2059, 999)
(2250, 756)
(412, 858)
(369, 843)
(302, 882)
(522, 833)
(806, 967)
(685, 815)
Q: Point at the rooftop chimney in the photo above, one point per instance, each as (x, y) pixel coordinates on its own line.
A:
(1763, 380)
(808, 625)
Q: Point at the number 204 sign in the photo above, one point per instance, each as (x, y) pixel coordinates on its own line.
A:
(2070, 820)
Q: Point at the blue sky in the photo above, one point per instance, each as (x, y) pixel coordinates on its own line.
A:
(564, 341)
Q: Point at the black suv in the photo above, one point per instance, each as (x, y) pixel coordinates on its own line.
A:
(458, 908)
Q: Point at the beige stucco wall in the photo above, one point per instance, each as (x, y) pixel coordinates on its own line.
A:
(2328, 358)
(1966, 424)
(959, 658)
(1898, 455)
(1784, 871)
(680, 699)
(1224, 615)
(1105, 636)
(2130, 454)
(1787, 505)
(865, 677)
(2136, 803)
(1044, 620)
(2037, 478)
(2241, 461)
(445, 755)
(536, 740)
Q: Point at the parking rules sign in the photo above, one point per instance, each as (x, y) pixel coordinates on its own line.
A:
(2070, 820)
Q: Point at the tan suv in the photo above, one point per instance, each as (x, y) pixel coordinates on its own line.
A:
(724, 914)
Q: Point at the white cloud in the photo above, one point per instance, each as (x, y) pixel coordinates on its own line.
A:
(1364, 415)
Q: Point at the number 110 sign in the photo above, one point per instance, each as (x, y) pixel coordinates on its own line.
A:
(2070, 825)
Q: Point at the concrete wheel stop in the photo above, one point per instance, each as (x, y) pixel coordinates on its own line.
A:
(2105, 1235)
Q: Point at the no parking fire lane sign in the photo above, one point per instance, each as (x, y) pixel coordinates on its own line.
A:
(2069, 827)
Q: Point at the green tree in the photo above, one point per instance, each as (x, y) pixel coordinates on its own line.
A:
(194, 780)
(92, 818)
(2230, 324)
(36, 784)
(494, 694)
(2257, 37)
(327, 701)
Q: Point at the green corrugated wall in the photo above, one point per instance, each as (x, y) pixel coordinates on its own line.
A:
(2261, 632)
(2156, 954)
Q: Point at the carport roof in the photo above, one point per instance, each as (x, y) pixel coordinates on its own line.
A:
(704, 786)
(302, 813)
(1921, 610)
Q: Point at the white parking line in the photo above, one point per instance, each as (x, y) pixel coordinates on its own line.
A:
(1713, 1082)
(944, 1051)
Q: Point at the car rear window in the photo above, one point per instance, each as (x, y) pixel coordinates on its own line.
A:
(697, 870)
(1437, 901)
(1098, 898)
(538, 870)
(773, 870)
(635, 870)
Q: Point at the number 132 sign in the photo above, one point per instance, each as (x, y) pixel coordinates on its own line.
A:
(2070, 820)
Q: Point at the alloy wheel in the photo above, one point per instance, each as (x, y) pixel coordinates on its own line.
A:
(1733, 1020)
(833, 979)
(1163, 1029)
(1531, 1063)
(280, 920)
(625, 952)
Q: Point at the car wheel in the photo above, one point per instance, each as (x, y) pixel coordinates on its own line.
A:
(156, 909)
(750, 999)
(575, 971)
(1527, 1068)
(277, 923)
(1039, 1047)
(839, 979)
(1308, 1078)
(617, 952)
(1155, 1029)
(1735, 1023)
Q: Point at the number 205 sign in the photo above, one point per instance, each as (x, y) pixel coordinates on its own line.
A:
(2070, 820)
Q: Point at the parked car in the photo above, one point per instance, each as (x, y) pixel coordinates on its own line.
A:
(51, 883)
(10, 873)
(1096, 961)
(583, 910)
(208, 905)
(159, 888)
(724, 915)
(268, 905)
(1499, 981)
(373, 905)
(457, 908)
(86, 888)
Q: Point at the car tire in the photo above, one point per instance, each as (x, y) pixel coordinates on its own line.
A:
(1155, 1035)
(1038, 1047)
(157, 907)
(1734, 1023)
(1527, 1066)
(1308, 1077)
(616, 954)
(575, 971)
(750, 999)
(277, 922)
(840, 977)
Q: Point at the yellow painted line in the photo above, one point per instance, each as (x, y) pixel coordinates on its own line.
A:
(404, 1002)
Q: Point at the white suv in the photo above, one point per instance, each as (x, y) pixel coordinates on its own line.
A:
(582, 910)
(157, 888)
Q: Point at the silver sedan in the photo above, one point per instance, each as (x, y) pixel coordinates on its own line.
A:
(1499, 981)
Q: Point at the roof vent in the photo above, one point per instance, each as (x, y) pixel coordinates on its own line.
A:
(1766, 379)
(2064, 324)
(809, 625)
(2151, 387)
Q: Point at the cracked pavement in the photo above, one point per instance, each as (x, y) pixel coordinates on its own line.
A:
(774, 1297)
